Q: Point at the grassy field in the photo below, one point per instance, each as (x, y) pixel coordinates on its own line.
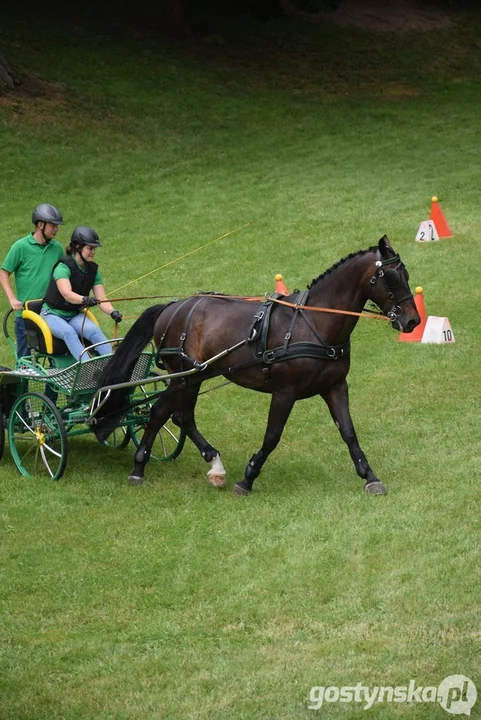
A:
(172, 600)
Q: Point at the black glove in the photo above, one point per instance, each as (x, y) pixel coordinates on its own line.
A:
(116, 315)
(89, 301)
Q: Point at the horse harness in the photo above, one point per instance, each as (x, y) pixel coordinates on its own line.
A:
(259, 331)
(257, 335)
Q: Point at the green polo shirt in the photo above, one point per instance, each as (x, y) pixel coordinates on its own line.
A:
(62, 272)
(31, 264)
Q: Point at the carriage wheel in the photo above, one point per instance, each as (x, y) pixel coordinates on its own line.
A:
(2, 433)
(118, 439)
(3, 418)
(168, 443)
(37, 437)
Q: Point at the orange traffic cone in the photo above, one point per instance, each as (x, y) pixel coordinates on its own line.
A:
(439, 220)
(280, 287)
(417, 334)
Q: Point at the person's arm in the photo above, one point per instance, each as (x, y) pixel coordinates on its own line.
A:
(106, 306)
(15, 304)
(66, 291)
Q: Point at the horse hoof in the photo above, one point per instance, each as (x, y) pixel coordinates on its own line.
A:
(238, 489)
(217, 481)
(375, 488)
(135, 480)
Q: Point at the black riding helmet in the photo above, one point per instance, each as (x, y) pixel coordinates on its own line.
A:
(47, 213)
(85, 236)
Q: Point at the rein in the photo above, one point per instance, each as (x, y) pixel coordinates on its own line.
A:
(200, 371)
(373, 316)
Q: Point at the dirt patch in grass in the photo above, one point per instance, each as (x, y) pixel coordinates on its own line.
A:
(35, 99)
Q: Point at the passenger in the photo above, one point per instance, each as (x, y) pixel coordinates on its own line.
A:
(74, 276)
(31, 260)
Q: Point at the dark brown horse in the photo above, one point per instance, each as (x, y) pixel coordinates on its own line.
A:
(290, 351)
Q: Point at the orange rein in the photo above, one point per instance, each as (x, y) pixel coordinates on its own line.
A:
(260, 299)
(332, 310)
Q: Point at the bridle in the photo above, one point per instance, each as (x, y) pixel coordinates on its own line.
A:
(391, 279)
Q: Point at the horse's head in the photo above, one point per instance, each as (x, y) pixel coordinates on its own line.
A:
(389, 288)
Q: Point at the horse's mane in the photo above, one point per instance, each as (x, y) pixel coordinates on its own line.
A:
(338, 263)
(210, 292)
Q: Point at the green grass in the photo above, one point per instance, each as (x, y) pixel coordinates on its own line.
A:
(172, 600)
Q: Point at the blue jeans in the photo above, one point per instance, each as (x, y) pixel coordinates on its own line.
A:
(69, 330)
(21, 337)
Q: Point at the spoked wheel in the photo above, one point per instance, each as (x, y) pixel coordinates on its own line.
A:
(37, 437)
(168, 443)
(118, 439)
(3, 412)
(2, 433)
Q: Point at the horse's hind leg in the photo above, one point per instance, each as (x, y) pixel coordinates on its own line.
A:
(337, 399)
(159, 414)
(279, 411)
(184, 417)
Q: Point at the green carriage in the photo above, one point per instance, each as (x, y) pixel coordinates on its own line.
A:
(49, 397)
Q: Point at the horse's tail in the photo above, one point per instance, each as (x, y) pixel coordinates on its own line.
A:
(119, 369)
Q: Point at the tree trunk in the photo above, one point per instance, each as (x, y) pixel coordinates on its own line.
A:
(8, 77)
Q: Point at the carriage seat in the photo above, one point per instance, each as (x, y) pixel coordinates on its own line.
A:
(39, 335)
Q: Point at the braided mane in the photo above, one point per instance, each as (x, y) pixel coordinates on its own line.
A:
(338, 263)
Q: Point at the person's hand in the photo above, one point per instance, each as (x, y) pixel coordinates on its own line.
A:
(89, 301)
(116, 315)
(16, 304)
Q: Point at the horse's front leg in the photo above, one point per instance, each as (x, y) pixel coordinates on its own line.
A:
(279, 411)
(159, 414)
(337, 399)
(184, 417)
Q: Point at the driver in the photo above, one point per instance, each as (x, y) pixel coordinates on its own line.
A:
(74, 276)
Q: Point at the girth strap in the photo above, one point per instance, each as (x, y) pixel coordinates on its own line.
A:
(305, 350)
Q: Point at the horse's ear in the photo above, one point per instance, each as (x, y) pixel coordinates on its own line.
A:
(384, 245)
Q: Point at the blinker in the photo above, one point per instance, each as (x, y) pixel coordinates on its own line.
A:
(392, 278)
